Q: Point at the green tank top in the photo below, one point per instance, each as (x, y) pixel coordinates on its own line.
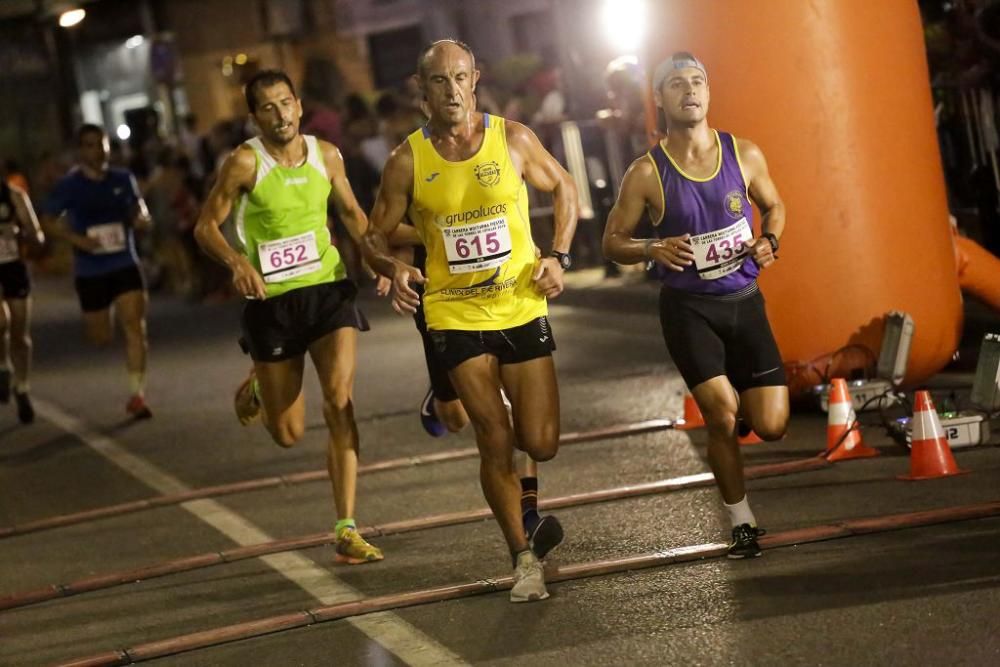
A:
(282, 224)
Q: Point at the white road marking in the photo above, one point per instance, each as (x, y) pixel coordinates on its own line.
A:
(386, 628)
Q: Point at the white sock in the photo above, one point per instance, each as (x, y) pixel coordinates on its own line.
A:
(137, 383)
(740, 513)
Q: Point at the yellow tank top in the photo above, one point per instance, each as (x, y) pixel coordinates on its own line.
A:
(472, 216)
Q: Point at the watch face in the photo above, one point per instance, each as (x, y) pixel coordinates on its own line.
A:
(564, 260)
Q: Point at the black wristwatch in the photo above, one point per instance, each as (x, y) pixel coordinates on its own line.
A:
(565, 261)
(772, 239)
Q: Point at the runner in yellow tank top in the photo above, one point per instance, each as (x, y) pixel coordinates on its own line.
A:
(485, 287)
(472, 216)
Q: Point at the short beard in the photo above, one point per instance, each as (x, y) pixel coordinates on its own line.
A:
(275, 138)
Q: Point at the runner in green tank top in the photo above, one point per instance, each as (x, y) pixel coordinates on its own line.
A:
(299, 299)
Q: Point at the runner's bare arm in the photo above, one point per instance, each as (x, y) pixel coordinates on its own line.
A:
(141, 219)
(30, 230)
(543, 172)
(391, 202)
(764, 193)
(343, 196)
(57, 227)
(237, 174)
(405, 235)
(638, 192)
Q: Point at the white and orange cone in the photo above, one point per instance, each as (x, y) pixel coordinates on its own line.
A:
(930, 454)
(840, 420)
(692, 415)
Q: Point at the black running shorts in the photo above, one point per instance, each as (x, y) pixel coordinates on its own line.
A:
(14, 280)
(436, 371)
(711, 336)
(284, 326)
(510, 346)
(98, 292)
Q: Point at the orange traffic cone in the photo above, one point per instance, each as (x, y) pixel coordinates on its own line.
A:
(692, 415)
(843, 436)
(930, 455)
(750, 438)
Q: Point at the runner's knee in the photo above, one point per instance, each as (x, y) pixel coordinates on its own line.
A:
(541, 445)
(771, 427)
(338, 408)
(495, 441)
(286, 432)
(721, 420)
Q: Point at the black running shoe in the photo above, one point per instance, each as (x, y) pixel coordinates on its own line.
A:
(25, 411)
(745, 541)
(546, 536)
(4, 385)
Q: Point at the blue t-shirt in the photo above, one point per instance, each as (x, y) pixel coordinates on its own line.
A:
(100, 209)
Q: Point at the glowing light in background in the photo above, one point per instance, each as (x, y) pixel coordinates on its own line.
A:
(624, 24)
(72, 17)
(134, 41)
(123, 132)
(241, 59)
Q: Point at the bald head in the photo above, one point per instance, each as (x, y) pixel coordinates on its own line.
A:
(443, 49)
(447, 75)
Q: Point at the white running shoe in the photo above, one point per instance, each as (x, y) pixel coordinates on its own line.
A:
(529, 580)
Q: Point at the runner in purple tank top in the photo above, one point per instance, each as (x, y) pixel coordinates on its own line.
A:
(697, 186)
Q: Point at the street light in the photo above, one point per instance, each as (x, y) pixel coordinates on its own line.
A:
(70, 18)
(624, 24)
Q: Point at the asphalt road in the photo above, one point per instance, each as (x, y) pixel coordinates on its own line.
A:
(925, 595)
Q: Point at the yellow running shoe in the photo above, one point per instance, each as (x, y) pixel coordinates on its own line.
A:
(246, 403)
(354, 550)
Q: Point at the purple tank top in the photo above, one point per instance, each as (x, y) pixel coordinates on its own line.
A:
(699, 207)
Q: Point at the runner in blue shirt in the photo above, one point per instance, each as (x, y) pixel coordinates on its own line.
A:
(97, 210)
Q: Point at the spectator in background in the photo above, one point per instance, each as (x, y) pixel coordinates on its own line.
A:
(359, 124)
(395, 122)
(174, 210)
(486, 94)
(190, 144)
(547, 85)
(322, 121)
(626, 111)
